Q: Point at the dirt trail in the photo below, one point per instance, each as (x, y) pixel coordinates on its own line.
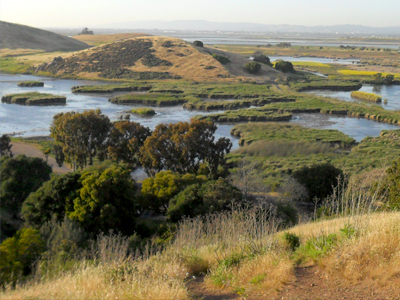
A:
(31, 151)
(310, 283)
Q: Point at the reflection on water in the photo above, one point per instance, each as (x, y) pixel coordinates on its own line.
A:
(353, 127)
(323, 60)
(36, 120)
(389, 92)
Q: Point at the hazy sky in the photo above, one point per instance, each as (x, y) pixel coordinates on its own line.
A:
(95, 13)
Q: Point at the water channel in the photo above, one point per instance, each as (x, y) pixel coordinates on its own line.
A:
(26, 121)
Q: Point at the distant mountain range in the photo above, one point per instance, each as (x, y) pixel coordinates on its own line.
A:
(252, 27)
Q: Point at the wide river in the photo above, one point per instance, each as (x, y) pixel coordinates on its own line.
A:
(26, 121)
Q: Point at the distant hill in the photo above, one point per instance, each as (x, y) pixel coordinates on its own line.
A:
(254, 27)
(16, 36)
(153, 57)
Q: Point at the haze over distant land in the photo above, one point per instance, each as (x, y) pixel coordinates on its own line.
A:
(91, 13)
(254, 27)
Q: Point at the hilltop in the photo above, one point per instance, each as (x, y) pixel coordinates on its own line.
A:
(152, 57)
(16, 36)
(100, 39)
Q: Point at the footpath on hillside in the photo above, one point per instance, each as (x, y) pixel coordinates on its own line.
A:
(31, 151)
(310, 283)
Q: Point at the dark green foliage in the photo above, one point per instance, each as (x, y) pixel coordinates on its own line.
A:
(105, 202)
(390, 187)
(157, 191)
(252, 67)
(202, 199)
(5, 147)
(82, 136)
(19, 177)
(222, 59)
(18, 253)
(182, 147)
(125, 140)
(51, 199)
(320, 180)
(292, 240)
(284, 66)
(198, 44)
(287, 213)
(258, 56)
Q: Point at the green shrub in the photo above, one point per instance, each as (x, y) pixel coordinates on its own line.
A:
(319, 180)
(198, 44)
(284, 66)
(252, 67)
(201, 199)
(222, 59)
(19, 177)
(51, 199)
(315, 248)
(292, 240)
(18, 253)
(258, 56)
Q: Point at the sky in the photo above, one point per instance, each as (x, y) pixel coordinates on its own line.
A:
(100, 13)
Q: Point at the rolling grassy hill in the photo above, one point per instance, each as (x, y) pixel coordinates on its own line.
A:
(16, 36)
(152, 57)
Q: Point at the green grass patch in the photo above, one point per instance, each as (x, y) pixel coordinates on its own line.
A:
(30, 83)
(151, 99)
(143, 111)
(366, 96)
(252, 132)
(34, 98)
(246, 115)
(13, 66)
(222, 59)
(109, 88)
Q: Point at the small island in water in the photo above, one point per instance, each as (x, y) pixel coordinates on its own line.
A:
(34, 98)
(30, 83)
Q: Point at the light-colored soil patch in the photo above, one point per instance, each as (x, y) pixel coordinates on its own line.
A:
(31, 151)
(100, 39)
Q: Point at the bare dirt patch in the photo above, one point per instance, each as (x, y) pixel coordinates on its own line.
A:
(31, 151)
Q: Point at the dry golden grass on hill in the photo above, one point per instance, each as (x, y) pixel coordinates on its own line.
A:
(100, 39)
(239, 255)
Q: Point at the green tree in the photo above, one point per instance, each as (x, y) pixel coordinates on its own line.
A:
(19, 177)
(202, 199)
(389, 79)
(81, 135)
(319, 180)
(18, 253)
(198, 43)
(252, 67)
(258, 56)
(284, 66)
(126, 139)
(157, 191)
(5, 146)
(105, 202)
(182, 147)
(51, 200)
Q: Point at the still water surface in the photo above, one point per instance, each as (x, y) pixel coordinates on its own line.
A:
(389, 92)
(36, 120)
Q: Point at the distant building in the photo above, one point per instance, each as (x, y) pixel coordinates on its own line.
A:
(86, 31)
